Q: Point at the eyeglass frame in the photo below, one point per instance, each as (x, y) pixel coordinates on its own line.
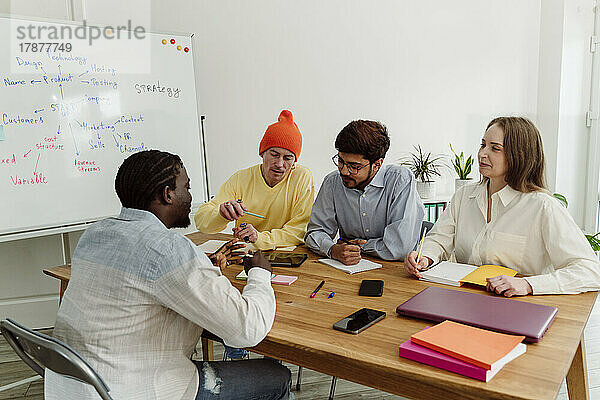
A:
(349, 167)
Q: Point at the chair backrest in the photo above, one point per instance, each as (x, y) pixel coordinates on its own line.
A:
(426, 226)
(52, 354)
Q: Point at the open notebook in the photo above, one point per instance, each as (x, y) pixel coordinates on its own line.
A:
(363, 265)
(455, 274)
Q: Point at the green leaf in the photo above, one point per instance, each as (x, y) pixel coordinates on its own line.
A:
(562, 199)
(594, 241)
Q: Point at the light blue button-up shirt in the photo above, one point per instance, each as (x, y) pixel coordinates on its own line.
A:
(388, 214)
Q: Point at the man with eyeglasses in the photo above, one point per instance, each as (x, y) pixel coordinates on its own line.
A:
(375, 208)
(269, 202)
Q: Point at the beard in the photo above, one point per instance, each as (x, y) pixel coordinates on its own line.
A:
(183, 220)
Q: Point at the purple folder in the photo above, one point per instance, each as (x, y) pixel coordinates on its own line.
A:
(489, 312)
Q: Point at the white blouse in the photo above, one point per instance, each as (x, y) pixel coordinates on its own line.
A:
(532, 233)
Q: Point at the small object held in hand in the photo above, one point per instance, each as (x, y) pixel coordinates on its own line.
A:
(242, 226)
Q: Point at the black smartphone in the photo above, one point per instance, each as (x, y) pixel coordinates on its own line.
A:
(371, 288)
(359, 320)
(281, 259)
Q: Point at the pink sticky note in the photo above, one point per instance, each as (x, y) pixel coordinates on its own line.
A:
(284, 279)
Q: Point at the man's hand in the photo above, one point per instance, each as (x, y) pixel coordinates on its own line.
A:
(257, 260)
(346, 253)
(232, 210)
(229, 252)
(509, 286)
(410, 263)
(246, 232)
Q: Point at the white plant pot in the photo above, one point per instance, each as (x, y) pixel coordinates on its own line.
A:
(458, 183)
(426, 190)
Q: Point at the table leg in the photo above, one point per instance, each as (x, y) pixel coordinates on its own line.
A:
(63, 287)
(207, 350)
(577, 381)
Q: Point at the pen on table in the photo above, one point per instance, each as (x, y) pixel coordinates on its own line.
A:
(314, 293)
(420, 248)
(331, 295)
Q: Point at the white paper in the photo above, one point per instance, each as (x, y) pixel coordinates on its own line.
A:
(363, 265)
(448, 273)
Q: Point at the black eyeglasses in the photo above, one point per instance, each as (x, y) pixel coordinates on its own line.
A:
(352, 169)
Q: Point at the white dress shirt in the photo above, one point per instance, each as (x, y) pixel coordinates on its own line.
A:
(532, 233)
(137, 301)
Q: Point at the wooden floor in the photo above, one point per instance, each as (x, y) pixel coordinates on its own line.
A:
(314, 384)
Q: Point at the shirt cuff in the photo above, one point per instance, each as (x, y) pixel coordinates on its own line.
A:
(259, 274)
(543, 284)
(261, 243)
(326, 248)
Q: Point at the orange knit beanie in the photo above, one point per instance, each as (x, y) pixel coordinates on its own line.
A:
(283, 133)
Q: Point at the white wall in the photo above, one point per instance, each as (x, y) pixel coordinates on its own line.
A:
(433, 72)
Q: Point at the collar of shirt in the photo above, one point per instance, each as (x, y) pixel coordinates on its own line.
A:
(134, 214)
(506, 195)
(379, 178)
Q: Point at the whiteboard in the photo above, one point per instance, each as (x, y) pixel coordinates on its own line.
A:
(68, 119)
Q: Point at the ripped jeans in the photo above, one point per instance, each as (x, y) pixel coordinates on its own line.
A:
(263, 379)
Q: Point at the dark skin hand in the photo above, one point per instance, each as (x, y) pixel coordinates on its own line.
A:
(257, 260)
(229, 253)
(347, 251)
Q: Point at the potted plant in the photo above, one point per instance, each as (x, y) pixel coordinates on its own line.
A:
(424, 166)
(593, 240)
(462, 167)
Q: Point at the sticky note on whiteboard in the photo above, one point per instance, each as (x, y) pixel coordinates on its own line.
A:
(2, 137)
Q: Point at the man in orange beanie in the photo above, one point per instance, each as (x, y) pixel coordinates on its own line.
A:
(279, 190)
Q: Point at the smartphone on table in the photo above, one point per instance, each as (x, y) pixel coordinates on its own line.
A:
(359, 320)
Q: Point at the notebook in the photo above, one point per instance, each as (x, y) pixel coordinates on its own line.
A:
(427, 356)
(275, 279)
(283, 280)
(363, 265)
(476, 346)
(489, 312)
(455, 274)
(242, 276)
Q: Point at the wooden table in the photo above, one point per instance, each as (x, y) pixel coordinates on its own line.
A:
(302, 334)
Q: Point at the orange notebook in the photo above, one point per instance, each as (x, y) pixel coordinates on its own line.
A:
(477, 346)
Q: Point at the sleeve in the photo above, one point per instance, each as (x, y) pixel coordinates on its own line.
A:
(207, 218)
(439, 242)
(405, 217)
(576, 266)
(200, 293)
(292, 232)
(323, 225)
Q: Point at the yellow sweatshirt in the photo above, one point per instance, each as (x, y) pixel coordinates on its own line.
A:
(287, 206)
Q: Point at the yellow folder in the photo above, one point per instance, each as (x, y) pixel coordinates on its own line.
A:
(478, 276)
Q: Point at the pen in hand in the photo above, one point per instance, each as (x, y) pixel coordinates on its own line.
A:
(420, 248)
(314, 293)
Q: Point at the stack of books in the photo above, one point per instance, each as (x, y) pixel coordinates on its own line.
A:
(463, 349)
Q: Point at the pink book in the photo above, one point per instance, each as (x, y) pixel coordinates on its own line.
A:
(427, 356)
(283, 279)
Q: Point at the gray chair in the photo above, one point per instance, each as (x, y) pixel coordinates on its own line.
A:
(52, 354)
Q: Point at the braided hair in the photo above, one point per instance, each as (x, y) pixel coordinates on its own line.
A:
(143, 176)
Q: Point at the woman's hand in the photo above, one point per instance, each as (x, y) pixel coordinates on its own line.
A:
(509, 286)
(411, 266)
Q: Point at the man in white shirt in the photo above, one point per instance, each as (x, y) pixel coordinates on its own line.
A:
(140, 295)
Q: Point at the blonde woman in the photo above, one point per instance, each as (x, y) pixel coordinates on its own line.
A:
(510, 218)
